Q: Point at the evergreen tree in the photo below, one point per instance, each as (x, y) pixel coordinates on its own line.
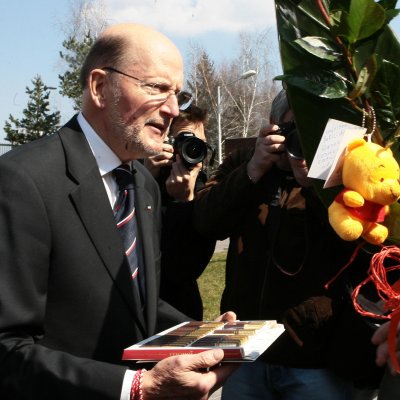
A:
(14, 131)
(37, 121)
(74, 57)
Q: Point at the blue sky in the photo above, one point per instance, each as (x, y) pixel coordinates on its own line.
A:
(32, 33)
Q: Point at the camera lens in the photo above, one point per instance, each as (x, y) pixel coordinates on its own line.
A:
(194, 150)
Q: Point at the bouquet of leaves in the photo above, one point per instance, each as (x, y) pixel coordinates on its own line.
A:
(341, 60)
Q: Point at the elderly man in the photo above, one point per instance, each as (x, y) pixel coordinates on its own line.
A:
(73, 295)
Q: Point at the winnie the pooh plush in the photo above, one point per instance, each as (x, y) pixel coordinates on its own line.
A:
(371, 179)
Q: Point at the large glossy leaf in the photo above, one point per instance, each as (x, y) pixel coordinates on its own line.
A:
(365, 77)
(363, 19)
(386, 94)
(319, 47)
(389, 6)
(322, 83)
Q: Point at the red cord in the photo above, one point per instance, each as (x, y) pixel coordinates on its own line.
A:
(389, 294)
(353, 256)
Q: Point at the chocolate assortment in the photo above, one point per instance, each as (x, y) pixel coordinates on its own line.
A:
(240, 340)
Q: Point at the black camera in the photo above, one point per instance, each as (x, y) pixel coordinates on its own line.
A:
(292, 142)
(191, 149)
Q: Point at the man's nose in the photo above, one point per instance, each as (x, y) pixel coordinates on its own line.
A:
(171, 105)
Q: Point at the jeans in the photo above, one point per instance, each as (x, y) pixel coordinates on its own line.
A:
(262, 381)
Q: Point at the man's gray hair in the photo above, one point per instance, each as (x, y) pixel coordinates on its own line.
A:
(279, 107)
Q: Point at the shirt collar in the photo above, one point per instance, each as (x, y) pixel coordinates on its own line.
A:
(105, 157)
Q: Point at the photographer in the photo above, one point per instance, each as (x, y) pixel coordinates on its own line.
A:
(180, 179)
(180, 176)
(282, 251)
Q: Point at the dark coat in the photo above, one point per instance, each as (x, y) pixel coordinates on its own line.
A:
(184, 256)
(282, 251)
(67, 309)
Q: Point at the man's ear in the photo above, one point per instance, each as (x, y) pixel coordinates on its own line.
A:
(97, 84)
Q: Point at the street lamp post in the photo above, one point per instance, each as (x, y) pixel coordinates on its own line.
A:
(245, 75)
(219, 124)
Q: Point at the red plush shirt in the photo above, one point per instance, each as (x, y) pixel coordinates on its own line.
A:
(369, 212)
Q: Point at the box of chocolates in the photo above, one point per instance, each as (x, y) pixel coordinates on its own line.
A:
(240, 340)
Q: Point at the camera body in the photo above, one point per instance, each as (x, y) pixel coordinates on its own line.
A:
(190, 148)
(292, 142)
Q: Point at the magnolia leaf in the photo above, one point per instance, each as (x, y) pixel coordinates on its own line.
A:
(390, 14)
(388, 4)
(319, 47)
(362, 20)
(365, 77)
(308, 8)
(390, 8)
(386, 96)
(321, 83)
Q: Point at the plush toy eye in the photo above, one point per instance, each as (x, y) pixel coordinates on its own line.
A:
(382, 179)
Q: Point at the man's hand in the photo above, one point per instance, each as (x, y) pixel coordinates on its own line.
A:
(189, 376)
(164, 159)
(229, 316)
(181, 182)
(269, 150)
(380, 338)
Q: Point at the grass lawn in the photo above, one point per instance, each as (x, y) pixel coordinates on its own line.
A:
(211, 284)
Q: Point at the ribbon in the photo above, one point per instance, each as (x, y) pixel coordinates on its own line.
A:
(389, 295)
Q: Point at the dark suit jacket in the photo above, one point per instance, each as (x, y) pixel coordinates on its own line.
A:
(66, 303)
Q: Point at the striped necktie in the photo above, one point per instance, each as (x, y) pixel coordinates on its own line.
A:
(125, 216)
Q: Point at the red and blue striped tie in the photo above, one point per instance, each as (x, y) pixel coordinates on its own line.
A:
(124, 213)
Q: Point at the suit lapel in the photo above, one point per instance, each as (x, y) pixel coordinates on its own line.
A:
(93, 207)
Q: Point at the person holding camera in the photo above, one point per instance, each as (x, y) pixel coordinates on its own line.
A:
(179, 172)
(282, 251)
(179, 167)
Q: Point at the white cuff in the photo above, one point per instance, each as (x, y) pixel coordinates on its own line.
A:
(127, 384)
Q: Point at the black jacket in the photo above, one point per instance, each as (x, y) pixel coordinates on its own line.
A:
(282, 251)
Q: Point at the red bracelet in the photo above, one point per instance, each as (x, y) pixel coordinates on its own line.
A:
(136, 388)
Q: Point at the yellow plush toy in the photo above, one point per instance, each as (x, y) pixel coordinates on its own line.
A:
(371, 179)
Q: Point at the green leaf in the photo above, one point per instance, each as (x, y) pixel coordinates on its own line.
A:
(319, 47)
(390, 14)
(363, 19)
(324, 84)
(365, 77)
(388, 4)
(386, 98)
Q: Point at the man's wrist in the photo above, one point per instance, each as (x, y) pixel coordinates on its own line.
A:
(136, 388)
(253, 172)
